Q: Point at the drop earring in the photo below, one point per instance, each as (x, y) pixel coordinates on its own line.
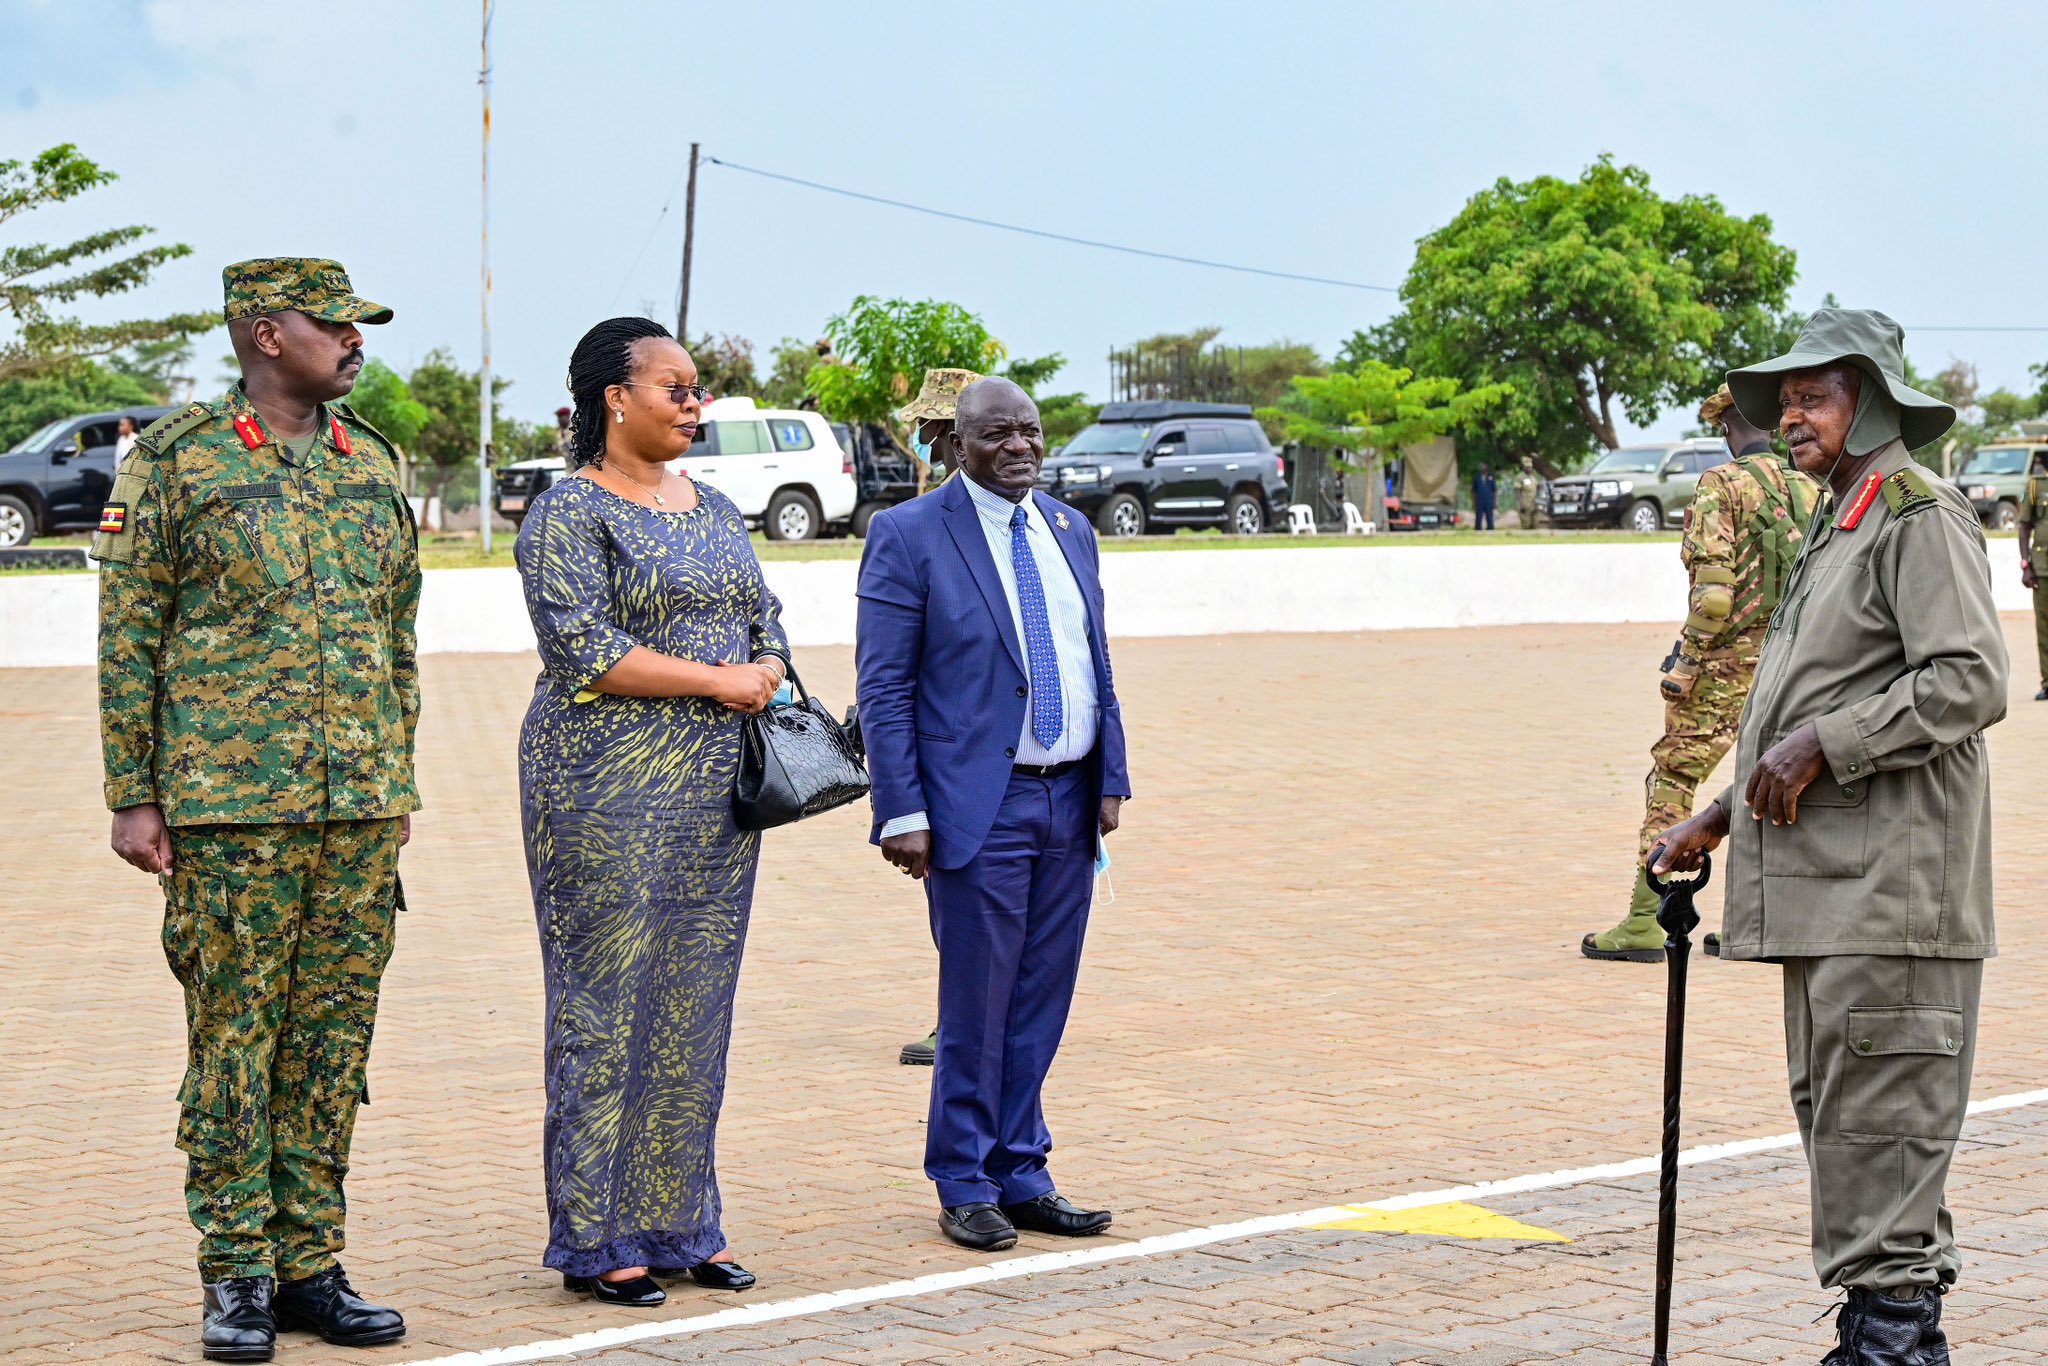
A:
(618, 414)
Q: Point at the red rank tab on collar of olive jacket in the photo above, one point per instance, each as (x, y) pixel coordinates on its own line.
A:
(1864, 497)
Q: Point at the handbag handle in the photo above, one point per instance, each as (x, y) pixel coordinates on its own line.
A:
(789, 676)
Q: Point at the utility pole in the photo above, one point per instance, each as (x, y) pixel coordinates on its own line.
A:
(689, 241)
(483, 446)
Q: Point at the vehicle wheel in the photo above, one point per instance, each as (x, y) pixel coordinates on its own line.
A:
(2004, 517)
(792, 516)
(1244, 515)
(1121, 515)
(17, 522)
(1644, 516)
(862, 515)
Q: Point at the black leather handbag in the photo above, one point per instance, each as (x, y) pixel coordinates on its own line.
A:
(795, 761)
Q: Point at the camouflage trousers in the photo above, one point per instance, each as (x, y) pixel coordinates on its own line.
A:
(279, 935)
(1699, 730)
(2041, 622)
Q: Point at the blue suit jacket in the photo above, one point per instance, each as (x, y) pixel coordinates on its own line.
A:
(942, 673)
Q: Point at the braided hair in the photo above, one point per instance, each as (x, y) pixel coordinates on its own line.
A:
(603, 358)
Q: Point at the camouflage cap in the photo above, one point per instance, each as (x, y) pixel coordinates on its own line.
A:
(939, 398)
(1719, 402)
(295, 284)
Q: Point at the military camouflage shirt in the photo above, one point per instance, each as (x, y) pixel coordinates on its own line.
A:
(2034, 516)
(256, 623)
(1734, 574)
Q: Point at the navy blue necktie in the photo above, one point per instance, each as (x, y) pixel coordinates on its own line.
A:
(1046, 719)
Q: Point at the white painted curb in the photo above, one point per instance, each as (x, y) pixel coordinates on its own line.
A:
(48, 620)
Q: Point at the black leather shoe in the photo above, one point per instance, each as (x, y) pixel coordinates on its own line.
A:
(921, 1052)
(1053, 1213)
(325, 1303)
(980, 1226)
(722, 1276)
(1874, 1329)
(639, 1293)
(237, 1323)
(2042, 696)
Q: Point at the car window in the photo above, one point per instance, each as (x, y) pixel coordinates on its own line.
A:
(1243, 436)
(1177, 438)
(790, 434)
(95, 435)
(707, 439)
(1996, 460)
(1710, 459)
(40, 437)
(1108, 438)
(1631, 460)
(1206, 440)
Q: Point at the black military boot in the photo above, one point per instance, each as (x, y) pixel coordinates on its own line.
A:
(1874, 1329)
(325, 1303)
(236, 1323)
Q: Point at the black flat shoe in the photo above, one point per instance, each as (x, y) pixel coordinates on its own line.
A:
(721, 1276)
(1052, 1213)
(236, 1322)
(980, 1226)
(639, 1293)
(325, 1303)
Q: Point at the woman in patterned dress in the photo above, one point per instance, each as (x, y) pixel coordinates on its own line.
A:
(656, 635)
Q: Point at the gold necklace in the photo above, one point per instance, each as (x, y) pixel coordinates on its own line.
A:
(659, 480)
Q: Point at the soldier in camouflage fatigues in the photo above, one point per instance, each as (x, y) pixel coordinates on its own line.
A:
(2033, 524)
(258, 696)
(1527, 485)
(1742, 535)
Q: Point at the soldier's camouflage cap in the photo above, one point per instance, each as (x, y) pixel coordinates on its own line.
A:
(295, 284)
(939, 399)
(1717, 403)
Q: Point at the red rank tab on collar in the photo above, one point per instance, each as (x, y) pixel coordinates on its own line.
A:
(340, 436)
(250, 430)
(1864, 497)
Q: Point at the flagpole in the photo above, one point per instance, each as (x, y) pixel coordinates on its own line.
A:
(483, 449)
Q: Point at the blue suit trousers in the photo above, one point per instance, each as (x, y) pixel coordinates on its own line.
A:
(1009, 927)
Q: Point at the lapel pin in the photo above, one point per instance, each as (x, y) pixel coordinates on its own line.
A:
(1059, 519)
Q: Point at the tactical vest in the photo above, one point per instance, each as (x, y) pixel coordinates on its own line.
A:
(1769, 544)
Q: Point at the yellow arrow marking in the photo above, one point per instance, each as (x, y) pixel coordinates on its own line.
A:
(1453, 1220)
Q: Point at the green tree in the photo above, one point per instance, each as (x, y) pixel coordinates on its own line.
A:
(37, 278)
(725, 365)
(158, 366)
(1187, 365)
(1588, 297)
(883, 347)
(446, 443)
(1375, 407)
(385, 401)
(28, 402)
(789, 365)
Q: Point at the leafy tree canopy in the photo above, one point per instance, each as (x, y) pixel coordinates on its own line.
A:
(883, 347)
(38, 278)
(27, 402)
(446, 441)
(1376, 407)
(385, 401)
(1587, 296)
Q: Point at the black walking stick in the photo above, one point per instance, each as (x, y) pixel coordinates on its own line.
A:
(1675, 914)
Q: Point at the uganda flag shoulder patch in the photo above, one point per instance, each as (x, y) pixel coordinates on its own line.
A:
(114, 518)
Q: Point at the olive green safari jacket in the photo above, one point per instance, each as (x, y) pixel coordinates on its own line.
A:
(1885, 639)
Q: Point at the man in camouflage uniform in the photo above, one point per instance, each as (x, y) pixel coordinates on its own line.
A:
(2034, 559)
(258, 694)
(1527, 485)
(930, 416)
(1741, 536)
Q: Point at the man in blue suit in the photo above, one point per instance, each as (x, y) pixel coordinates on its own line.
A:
(996, 751)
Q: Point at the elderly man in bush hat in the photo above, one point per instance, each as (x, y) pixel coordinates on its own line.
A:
(930, 417)
(1860, 851)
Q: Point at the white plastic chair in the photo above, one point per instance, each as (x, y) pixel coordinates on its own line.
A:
(1301, 520)
(1354, 521)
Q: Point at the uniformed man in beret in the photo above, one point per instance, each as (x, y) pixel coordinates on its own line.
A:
(258, 693)
(1860, 826)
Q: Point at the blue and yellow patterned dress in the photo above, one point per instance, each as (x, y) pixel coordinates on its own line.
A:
(641, 881)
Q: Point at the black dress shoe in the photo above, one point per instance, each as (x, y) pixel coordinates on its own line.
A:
(638, 1293)
(237, 1321)
(2042, 696)
(325, 1303)
(980, 1226)
(1052, 1213)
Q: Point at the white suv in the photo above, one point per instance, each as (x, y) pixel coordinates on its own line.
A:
(783, 467)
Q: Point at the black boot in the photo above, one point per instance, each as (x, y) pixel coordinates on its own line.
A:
(325, 1303)
(237, 1324)
(1875, 1329)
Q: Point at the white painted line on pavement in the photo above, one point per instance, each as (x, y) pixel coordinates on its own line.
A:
(1155, 1246)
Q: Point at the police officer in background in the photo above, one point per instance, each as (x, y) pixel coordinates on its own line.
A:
(1742, 534)
(258, 693)
(1527, 484)
(1860, 849)
(2034, 559)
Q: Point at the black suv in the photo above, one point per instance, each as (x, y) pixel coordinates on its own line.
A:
(1159, 464)
(58, 478)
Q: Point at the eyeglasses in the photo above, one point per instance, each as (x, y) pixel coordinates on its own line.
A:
(678, 394)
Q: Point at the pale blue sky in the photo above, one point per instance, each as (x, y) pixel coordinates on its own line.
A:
(1896, 147)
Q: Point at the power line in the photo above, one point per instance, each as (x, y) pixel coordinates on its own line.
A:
(1050, 236)
(1977, 329)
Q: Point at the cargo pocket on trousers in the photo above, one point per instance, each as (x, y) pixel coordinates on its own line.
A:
(1903, 1077)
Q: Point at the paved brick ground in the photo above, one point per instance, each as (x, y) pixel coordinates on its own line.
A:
(1342, 964)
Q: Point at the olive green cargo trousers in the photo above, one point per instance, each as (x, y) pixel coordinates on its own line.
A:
(1879, 1051)
(279, 935)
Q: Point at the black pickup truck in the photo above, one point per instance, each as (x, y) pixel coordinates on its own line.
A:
(57, 478)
